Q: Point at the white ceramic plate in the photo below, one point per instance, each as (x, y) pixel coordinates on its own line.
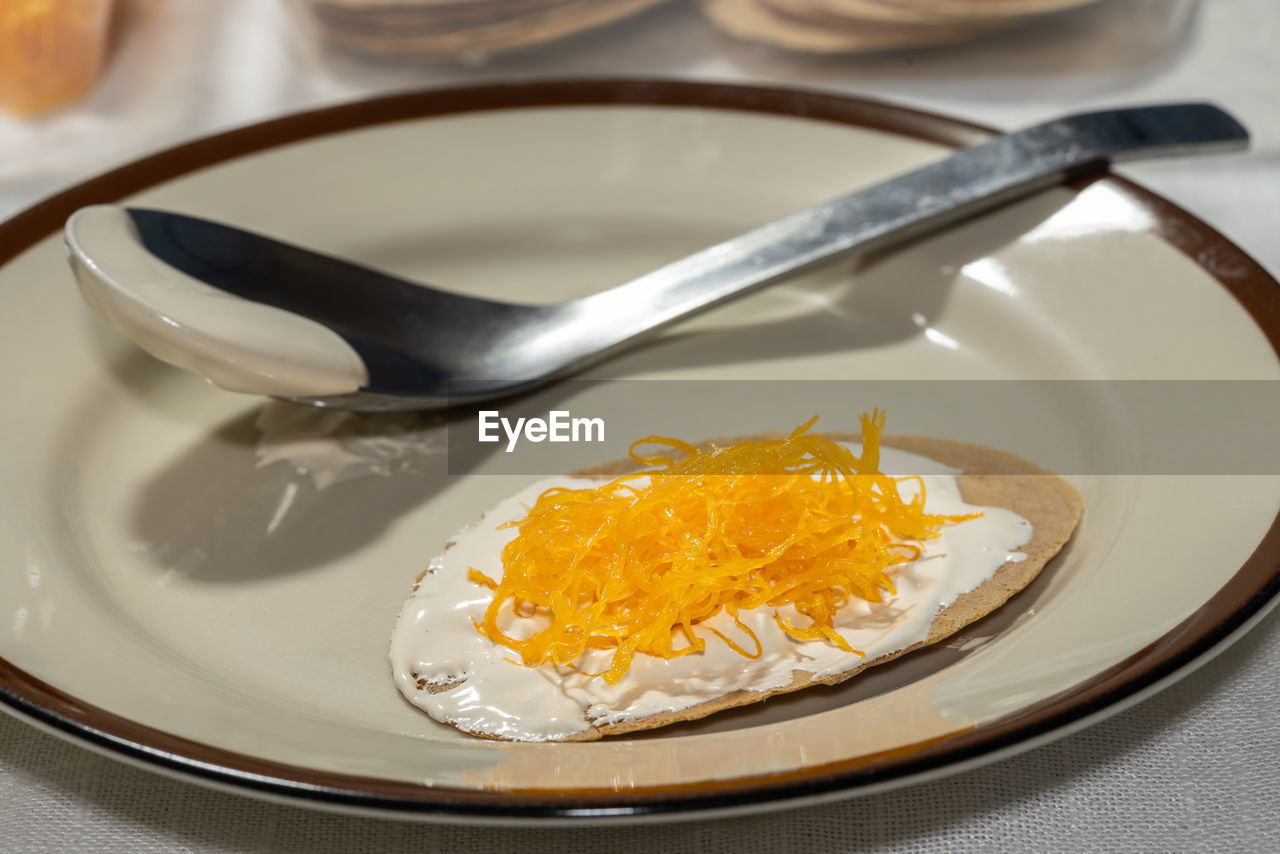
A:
(176, 593)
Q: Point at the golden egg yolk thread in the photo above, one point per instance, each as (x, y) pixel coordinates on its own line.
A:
(800, 524)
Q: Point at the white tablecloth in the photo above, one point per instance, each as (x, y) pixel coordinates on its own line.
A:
(1195, 768)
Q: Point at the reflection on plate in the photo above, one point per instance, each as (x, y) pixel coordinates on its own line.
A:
(194, 582)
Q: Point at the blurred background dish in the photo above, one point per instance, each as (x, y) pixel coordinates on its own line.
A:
(435, 30)
(445, 29)
(836, 26)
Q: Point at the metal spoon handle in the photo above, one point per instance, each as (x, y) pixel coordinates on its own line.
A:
(961, 185)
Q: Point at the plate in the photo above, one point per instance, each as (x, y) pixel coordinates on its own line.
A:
(193, 582)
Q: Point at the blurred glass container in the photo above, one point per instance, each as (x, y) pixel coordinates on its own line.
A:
(871, 26)
(51, 51)
(440, 30)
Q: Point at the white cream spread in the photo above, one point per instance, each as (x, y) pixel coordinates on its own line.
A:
(237, 344)
(479, 688)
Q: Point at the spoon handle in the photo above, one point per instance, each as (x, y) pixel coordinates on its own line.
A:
(961, 185)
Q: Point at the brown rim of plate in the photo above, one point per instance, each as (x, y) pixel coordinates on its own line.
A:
(1244, 597)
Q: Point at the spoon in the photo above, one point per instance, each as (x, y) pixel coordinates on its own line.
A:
(256, 315)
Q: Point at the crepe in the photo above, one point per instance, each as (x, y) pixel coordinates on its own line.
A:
(991, 478)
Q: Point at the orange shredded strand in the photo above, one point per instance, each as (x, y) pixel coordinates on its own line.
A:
(636, 567)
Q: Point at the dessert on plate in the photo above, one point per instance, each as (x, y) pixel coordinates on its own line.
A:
(698, 578)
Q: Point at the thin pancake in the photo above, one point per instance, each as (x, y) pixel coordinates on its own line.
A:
(991, 478)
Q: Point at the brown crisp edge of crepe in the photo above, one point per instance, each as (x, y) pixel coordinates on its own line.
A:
(1000, 479)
